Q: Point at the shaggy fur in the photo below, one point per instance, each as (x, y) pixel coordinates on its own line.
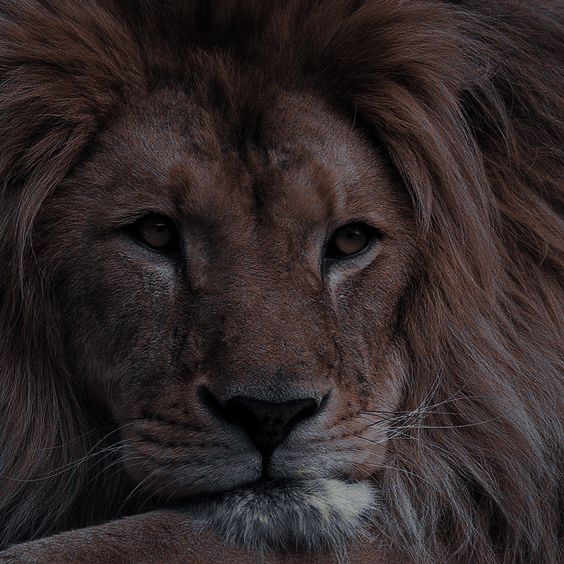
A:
(310, 515)
(466, 98)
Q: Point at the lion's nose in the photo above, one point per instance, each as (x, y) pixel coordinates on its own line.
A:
(268, 423)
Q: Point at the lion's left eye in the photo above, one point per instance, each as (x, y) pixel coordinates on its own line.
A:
(350, 240)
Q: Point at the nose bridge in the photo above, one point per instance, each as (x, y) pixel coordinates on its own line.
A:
(268, 339)
(272, 315)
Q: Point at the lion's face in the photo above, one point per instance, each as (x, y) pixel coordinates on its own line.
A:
(231, 294)
(293, 266)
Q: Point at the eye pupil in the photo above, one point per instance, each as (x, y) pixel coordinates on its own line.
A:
(156, 232)
(350, 240)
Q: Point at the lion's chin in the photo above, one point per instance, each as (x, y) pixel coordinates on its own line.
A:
(313, 514)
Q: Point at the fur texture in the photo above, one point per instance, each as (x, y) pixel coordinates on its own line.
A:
(308, 515)
(463, 101)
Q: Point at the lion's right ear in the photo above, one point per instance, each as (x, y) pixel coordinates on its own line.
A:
(63, 67)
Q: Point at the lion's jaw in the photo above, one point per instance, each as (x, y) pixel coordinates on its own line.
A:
(246, 309)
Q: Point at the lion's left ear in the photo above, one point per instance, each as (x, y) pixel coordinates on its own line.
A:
(62, 70)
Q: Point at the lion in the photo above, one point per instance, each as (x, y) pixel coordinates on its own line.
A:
(281, 280)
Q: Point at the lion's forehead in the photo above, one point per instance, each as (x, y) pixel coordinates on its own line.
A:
(302, 162)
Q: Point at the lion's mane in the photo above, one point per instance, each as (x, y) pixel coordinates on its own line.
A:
(467, 99)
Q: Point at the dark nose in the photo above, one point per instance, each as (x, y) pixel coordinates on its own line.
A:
(268, 423)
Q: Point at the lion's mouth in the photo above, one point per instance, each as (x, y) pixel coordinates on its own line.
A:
(304, 513)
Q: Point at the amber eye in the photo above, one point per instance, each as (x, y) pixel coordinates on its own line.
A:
(350, 240)
(156, 231)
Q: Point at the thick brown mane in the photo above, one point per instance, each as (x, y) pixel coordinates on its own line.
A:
(467, 100)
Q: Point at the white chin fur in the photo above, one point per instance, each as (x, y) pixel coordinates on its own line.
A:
(310, 515)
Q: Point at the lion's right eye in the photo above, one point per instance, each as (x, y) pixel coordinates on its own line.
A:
(157, 232)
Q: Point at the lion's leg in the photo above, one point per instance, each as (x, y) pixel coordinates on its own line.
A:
(159, 536)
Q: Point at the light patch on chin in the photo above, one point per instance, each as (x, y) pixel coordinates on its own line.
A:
(312, 515)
